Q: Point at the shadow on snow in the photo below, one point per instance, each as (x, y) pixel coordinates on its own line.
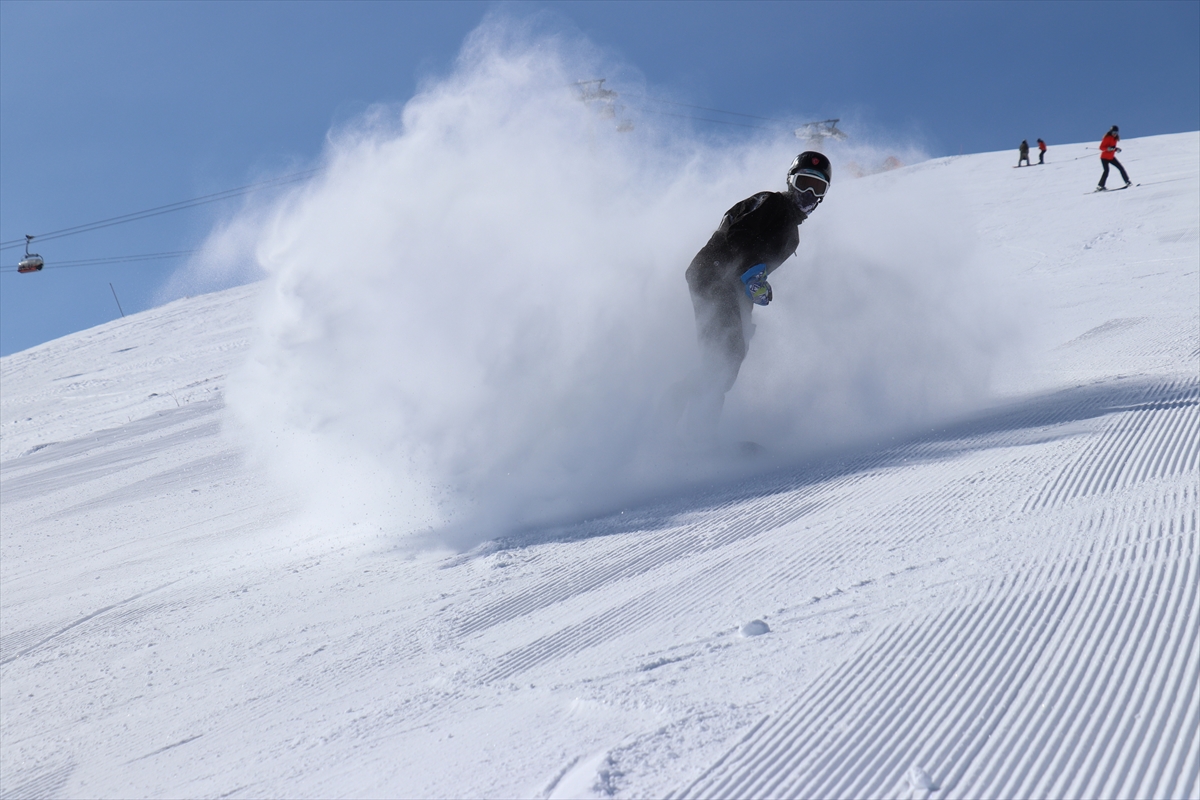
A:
(1027, 421)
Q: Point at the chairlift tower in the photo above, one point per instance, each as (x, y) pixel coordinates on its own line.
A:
(815, 133)
(594, 94)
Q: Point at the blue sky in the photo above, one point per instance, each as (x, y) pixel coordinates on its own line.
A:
(111, 108)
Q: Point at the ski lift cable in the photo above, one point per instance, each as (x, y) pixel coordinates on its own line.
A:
(87, 262)
(705, 119)
(92, 262)
(706, 108)
(165, 209)
(299, 176)
(683, 105)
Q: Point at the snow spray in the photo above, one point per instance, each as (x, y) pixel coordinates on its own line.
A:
(472, 315)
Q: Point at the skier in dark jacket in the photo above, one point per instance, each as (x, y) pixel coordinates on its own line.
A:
(1023, 153)
(729, 276)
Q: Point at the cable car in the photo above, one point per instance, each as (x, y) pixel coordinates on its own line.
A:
(32, 262)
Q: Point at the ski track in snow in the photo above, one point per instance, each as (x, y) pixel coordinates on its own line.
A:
(1004, 606)
(1029, 692)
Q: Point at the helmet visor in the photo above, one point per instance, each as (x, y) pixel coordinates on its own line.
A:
(809, 180)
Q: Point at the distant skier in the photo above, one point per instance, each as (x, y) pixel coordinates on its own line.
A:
(1041, 152)
(1024, 153)
(728, 277)
(1108, 155)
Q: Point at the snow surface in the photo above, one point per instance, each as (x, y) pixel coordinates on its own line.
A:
(990, 597)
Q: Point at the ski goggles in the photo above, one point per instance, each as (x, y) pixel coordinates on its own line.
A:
(809, 180)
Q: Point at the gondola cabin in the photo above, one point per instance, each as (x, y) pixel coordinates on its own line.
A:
(32, 262)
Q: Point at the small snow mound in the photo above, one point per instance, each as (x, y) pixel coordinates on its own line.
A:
(920, 781)
(755, 627)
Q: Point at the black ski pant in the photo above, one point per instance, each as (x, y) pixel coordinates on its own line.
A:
(1115, 163)
(719, 301)
(1041, 156)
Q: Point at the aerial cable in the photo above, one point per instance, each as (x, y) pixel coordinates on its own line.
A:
(92, 262)
(166, 209)
(593, 91)
(705, 119)
(706, 108)
(299, 176)
(87, 262)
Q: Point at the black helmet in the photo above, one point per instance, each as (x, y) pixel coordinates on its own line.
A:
(808, 179)
(811, 161)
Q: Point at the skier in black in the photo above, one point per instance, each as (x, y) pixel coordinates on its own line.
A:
(1024, 153)
(729, 276)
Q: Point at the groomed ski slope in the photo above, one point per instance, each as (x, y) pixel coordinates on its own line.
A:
(1003, 606)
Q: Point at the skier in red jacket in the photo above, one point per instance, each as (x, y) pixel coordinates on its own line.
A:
(1041, 152)
(1108, 155)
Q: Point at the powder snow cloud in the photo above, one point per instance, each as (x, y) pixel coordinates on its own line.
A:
(471, 317)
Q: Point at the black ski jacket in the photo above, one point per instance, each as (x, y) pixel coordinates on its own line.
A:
(762, 229)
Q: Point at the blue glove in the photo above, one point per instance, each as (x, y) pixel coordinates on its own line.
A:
(757, 288)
